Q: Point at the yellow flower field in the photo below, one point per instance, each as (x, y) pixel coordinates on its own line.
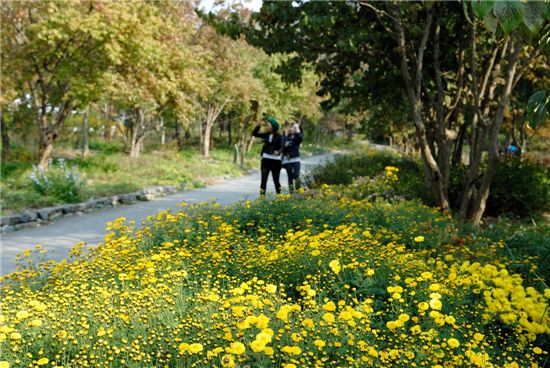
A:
(254, 286)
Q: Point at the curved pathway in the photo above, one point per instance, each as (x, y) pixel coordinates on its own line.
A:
(59, 237)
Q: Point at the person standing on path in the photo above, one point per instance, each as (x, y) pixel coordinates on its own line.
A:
(291, 156)
(271, 153)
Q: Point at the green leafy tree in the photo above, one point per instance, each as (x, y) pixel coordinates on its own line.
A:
(56, 52)
(432, 51)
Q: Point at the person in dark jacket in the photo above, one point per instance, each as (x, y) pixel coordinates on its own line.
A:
(291, 156)
(271, 153)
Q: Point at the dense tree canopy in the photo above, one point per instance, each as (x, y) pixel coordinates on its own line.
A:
(141, 65)
(453, 65)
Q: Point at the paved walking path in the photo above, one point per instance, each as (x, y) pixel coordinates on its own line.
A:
(59, 237)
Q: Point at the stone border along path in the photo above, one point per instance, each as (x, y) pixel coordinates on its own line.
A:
(63, 234)
(44, 216)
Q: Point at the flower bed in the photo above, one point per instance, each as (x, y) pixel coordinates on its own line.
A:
(307, 281)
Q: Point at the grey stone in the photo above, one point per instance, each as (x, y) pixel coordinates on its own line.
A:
(49, 212)
(13, 219)
(28, 216)
(128, 198)
(94, 203)
(7, 228)
(145, 196)
(69, 208)
(44, 213)
(113, 201)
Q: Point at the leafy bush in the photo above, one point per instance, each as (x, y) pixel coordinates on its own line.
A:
(59, 181)
(344, 169)
(519, 187)
(106, 146)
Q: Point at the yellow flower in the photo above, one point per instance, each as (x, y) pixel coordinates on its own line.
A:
(290, 365)
(423, 306)
(308, 322)
(478, 336)
(270, 288)
(319, 343)
(195, 348)
(4, 364)
(228, 361)
(335, 266)
(404, 317)
(15, 336)
(436, 304)
(419, 239)
(42, 361)
(329, 317)
(21, 315)
(35, 323)
(236, 348)
(329, 307)
(453, 343)
(537, 350)
(293, 350)
(315, 252)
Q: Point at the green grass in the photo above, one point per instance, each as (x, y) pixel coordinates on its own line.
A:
(111, 172)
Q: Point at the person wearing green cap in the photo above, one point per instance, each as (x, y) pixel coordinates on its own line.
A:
(271, 153)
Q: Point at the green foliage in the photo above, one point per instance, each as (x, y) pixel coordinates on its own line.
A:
(106, 146)
(343, 169)
(59, 181)
(115, 173)
(520, 188)
(538, 109)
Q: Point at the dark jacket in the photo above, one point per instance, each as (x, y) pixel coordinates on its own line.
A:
(276, 143)
(291, 145)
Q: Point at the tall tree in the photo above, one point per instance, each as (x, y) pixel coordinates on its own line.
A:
(362, 49)
(56, 52)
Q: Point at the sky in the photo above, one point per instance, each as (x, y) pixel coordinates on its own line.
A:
(252, 4)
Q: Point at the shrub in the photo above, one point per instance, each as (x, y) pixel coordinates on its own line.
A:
(343, 169)
(519, 187)
(59, 181)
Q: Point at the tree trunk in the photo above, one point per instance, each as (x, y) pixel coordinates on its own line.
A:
(479, 206)
(162, 132)
(45, 148)
(229, 128)
(212, 114)
(135, 147)
(459, 146)
(413, 89)
(5, 139)
(138, 129)
(207, 130)
(179, 136)
(85, 122)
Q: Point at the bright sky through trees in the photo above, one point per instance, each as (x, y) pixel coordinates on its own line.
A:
(252, 4)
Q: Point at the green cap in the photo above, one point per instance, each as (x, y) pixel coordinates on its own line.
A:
(271, 120)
